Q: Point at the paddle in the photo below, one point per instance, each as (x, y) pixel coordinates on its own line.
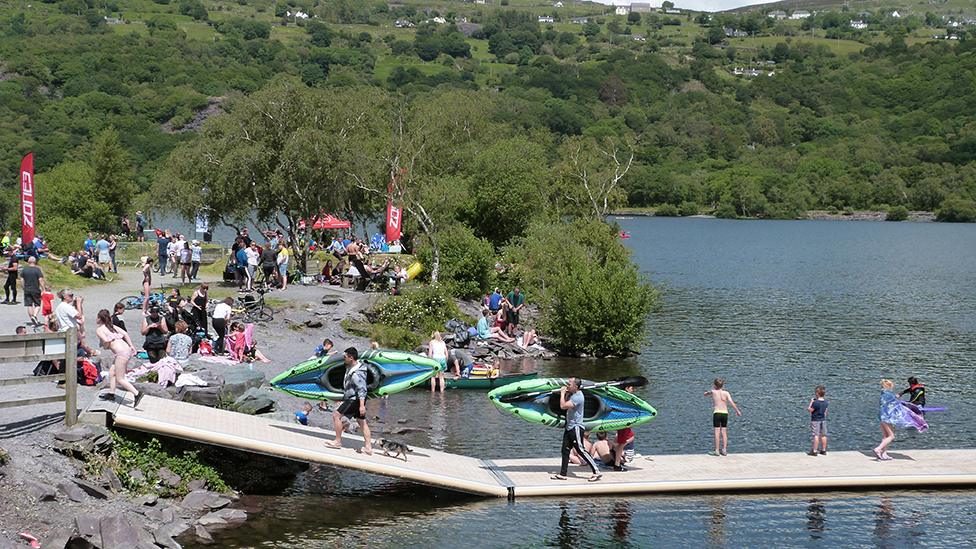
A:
(635, 381)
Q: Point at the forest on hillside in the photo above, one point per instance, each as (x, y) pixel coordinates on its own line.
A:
(891, 125)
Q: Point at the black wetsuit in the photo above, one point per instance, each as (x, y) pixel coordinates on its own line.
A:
(916, 395)
(11, 284)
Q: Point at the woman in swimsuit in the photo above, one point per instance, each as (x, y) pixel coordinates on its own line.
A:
(117, 341)
(146, 281)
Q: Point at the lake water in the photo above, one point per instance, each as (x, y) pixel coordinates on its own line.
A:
(774, 307)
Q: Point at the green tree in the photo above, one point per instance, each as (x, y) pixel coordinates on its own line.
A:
(284, 154)
(70, 194)
(112, 175)
(507, 179)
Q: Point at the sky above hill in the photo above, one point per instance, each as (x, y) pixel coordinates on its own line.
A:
(700, 5)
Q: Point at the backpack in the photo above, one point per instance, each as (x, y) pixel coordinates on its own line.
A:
(88, 374)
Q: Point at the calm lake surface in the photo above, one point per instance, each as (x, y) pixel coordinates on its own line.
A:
(774, 307)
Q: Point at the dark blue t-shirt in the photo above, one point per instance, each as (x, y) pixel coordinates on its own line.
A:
(819, 410)
(162, 244)
(494, 302)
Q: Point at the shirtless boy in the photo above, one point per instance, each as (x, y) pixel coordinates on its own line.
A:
(720, 415)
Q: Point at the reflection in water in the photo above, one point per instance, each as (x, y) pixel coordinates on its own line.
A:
(816, 518)
(622, 515)
(884, 517)
(568, 534)
(716, 526)
(438, 421)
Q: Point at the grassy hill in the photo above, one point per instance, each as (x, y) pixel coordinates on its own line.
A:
(904, 7)
(151, 69)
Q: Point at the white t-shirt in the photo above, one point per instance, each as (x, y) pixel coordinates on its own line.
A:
(222, 310)
(252, 257)
(438, 349)
(66, 314)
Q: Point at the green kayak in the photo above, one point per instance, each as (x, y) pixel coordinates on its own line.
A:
(388, 372)
(607, 407)
(486, 383)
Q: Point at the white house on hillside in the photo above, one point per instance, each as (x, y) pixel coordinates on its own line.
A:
(622, 10)
(557, 4)
(642, 7)
(800, 14)
(896, 15)
(547, 19)
(859, 25)
(776, 14)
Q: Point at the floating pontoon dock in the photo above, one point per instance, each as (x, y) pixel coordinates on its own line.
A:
(530, 477)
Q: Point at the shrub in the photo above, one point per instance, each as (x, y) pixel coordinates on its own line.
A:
(149, 457)
(592, 297)
(666, 210)
(599, 309)
(897, 213)
(956, 209)
(467, 262)
(394, 337)
(422, 310)
(726, 211)
(62, 236)
(688, 208)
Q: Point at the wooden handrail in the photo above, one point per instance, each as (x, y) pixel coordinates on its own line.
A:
(32, 347)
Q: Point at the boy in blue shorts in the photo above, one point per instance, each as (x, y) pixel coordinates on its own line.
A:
(818, 421)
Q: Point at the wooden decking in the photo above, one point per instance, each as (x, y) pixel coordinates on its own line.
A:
(530, 477)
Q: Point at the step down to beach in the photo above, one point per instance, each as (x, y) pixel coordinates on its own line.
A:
(794, 471)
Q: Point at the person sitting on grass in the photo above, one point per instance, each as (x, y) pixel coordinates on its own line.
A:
(494, 332)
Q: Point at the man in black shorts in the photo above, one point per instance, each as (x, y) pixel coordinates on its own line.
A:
(33, 284)
(353, 402)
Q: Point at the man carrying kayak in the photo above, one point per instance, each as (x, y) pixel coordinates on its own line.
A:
(571, 400)
(353, 402)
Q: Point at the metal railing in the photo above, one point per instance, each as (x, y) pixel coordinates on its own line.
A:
(46, 346)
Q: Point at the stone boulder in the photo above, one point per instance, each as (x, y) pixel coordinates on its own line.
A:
(164, 534)
(83, 440)
(237, 382)
(205, 396)
(92, 490)
(156, 390)
(203, 500)
(256, 400)
(41, 491)
(168, 477)
(72, 490)
(222, 518)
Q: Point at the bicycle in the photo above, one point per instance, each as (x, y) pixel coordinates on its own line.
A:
(133, 302)
(251, 309)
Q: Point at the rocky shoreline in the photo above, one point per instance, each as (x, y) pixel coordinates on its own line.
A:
(52, 493)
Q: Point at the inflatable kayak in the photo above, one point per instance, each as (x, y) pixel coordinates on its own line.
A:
(388, 372)
(607, 407)
(486, 383)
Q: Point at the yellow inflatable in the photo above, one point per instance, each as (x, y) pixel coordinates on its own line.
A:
(414, 269)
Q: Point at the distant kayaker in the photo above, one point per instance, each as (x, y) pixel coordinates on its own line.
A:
(915, 392)
(571, 401)
(353, 402)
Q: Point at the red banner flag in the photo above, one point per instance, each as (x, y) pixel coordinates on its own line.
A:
(27, 197)
(393, 220)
